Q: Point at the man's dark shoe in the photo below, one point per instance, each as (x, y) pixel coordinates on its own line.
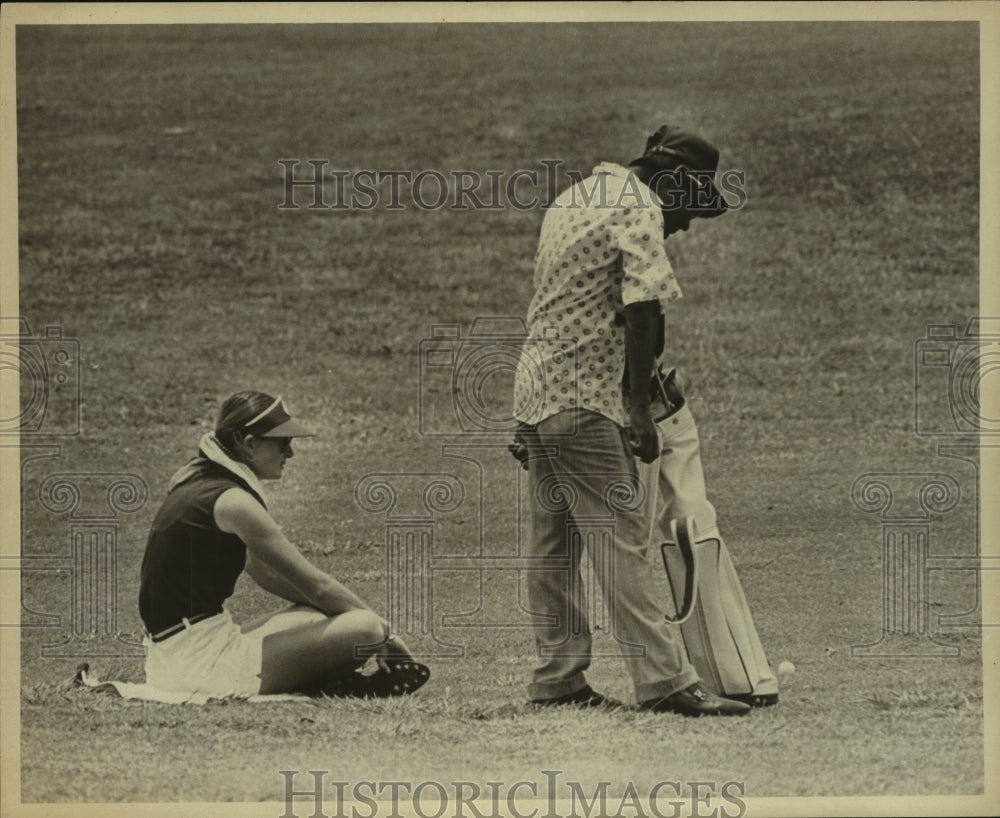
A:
(584, 697)
(695, 700)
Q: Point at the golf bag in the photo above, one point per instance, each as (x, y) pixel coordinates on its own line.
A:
(712, 610)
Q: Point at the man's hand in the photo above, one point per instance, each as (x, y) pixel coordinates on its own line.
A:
(642, 434)
(520, 447)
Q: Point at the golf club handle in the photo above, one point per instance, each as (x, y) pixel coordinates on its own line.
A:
(668, 392)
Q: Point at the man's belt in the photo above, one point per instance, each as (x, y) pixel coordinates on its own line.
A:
(186, 622)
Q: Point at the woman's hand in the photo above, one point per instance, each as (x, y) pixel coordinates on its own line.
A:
(393, 648)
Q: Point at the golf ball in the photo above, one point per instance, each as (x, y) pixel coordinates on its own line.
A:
(786, 669)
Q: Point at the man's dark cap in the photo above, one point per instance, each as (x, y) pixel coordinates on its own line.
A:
(669, 148)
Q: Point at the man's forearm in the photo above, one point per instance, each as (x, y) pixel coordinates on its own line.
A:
(642, 322)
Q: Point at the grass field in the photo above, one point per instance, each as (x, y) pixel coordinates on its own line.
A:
(150, 230)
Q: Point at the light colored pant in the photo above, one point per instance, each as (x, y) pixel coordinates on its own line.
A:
(583, 484)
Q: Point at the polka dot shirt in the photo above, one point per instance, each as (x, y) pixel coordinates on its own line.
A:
(601, 247)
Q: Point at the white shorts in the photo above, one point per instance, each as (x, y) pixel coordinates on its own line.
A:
(213, 657)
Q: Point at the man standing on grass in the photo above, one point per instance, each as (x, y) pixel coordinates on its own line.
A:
(582, 398)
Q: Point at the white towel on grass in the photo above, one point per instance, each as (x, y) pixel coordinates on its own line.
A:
(145, 692)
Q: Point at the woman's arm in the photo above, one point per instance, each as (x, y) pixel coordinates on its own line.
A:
(273, 582)
(237, 512)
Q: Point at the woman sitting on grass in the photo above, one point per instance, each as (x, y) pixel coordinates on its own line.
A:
(212, 525)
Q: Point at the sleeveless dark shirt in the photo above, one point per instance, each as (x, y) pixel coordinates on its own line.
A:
(190, 566)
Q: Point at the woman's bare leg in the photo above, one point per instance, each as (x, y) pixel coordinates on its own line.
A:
(301, 657)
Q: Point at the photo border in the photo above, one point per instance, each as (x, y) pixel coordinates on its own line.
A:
(12, 15)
